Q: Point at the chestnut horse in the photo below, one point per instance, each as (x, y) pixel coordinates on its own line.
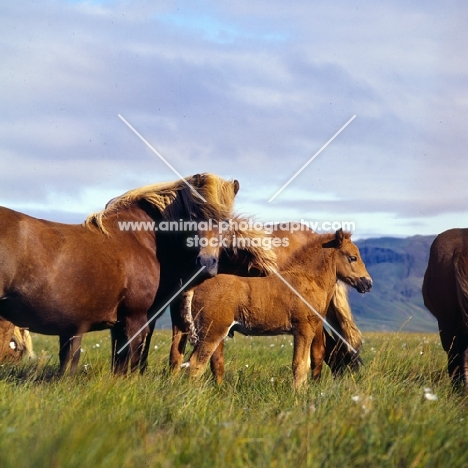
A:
(66, 280)
(293, 301)
(445, 293)
(338, 355)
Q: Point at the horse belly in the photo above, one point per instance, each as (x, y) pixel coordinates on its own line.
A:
(48, 320)
(256, 322)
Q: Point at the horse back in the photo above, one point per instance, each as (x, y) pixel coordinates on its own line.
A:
(256, 306)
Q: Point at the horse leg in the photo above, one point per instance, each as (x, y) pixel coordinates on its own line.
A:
(69, 354)
(183, 328)
(317, 353)
(301, 356)
(146, 348)
(217, 363)
(137, 332)
(176, 355)
(452, 344)
(120, 349)
(202, 352)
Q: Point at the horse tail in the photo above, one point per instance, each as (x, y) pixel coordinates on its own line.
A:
(187, 317)
(339, 355)
(461, 280)
(339, 315)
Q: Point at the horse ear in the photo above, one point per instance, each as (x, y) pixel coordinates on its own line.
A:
(197, 180)
(236, 186)
(336, 242)
(339, 236)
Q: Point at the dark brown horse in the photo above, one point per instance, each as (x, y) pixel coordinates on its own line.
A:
(295, 301)
(66, 280)
(289, 238)
(445, 293)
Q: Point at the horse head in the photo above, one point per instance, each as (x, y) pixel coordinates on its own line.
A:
(349, 265)
(210, 244)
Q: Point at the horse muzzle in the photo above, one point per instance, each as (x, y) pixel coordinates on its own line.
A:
(363, 284)
(210, 262)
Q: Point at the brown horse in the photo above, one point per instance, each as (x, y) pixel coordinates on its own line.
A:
(445, 293)
(294, 301)
(66, 280)
(338, 355)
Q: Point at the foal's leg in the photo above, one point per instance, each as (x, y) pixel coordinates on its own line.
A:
(69, 353)
(176, 355)
(317, 352)
(217, 363)
(202, 353)
(301, 356)
(182, 327)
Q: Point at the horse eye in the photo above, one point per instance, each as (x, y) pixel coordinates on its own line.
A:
(352, 258)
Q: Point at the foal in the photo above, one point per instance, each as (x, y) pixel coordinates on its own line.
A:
(268, 306)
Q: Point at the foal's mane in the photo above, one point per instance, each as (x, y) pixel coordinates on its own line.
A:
(175, 200)
(315, 248)
(250, 247)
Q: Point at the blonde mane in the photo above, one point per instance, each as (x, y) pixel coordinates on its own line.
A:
(175, 200)
(340, 316)
(250, 247)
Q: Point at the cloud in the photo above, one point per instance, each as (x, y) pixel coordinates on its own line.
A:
(249, 90)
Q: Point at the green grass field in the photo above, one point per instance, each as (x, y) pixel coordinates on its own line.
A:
(379, 417)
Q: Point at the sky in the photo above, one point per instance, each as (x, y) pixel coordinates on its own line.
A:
(247, 90)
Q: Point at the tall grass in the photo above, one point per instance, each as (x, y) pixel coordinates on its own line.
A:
(381, 416)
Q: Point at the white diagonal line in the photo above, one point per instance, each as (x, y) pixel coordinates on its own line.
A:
(164, 160)
(312, 158)
(156, 315)
(312, 309)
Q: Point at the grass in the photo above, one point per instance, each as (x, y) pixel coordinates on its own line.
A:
(377, 417)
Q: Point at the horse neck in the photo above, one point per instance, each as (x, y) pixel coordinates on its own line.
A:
(316, 262)
(132, 222)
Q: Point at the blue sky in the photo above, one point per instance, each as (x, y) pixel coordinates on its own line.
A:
(248, 90)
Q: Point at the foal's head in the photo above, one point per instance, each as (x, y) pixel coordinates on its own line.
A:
(349, 265)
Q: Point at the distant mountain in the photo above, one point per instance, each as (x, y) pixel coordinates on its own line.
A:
(397, 268)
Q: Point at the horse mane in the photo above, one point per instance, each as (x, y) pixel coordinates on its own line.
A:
(175, 200)
(339, 315)
(250, 248)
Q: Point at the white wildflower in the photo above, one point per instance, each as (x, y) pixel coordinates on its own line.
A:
(428, 395)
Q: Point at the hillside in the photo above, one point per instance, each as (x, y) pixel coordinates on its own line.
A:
(397, 268)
